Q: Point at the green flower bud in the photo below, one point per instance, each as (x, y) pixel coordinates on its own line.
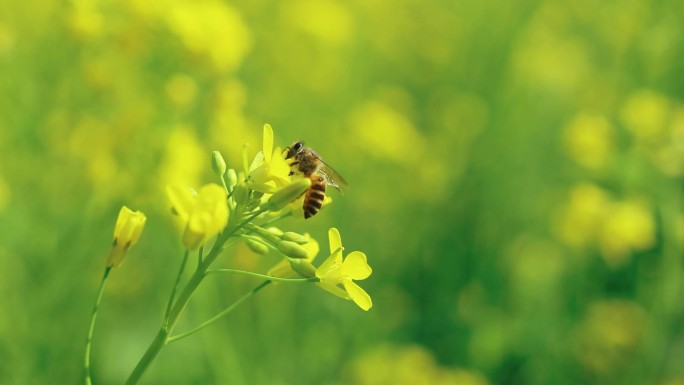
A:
(218, 164)
(294, 237)
(231, 178)
(289, 193)
(241, 193)
(256, 246)
(272, 235)
(292, 250)
(303, 268)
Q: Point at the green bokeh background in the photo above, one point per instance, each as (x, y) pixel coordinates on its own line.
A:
(515, 174)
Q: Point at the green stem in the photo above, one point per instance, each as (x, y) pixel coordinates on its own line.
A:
(175, 287)
(152, 351)
(267, 277)
(199, 256)
(93, 317)
(225, 186)
(182, 301)
(219, 315)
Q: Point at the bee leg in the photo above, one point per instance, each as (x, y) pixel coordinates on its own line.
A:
(291, 173)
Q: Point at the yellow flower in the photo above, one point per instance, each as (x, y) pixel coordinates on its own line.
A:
(129, 226)
(283, 269)
(269, 170)
(204, 214)
(337, 270)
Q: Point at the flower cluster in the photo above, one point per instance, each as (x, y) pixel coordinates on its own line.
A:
(248, 202)
(243, 208)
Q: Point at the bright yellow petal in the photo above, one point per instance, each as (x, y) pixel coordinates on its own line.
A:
(333, 289)
(268, 142)
(356, 266)
(193, 239)
(257, 162)
(211, 201)
(132, 228)
(358, 295)
(124, 215)
(335, 239)
(280, 169)
(182, 199)
(329, 266)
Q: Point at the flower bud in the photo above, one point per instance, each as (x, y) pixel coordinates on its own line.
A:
(256, 246)
(241, 194)
(231, 178)
(129, 226)
(218, 164)
(289, 193)
(292, 250)
(294, 237)
(303, 268)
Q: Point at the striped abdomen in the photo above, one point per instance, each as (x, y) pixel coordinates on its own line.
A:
(313, 200)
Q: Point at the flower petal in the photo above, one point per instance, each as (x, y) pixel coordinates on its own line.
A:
(328, 267)
(256, 162)
(358, 295)
(356, 266)
(335, 239)
(333, 289)
(268, 142)
(280, 169)
(212, 202)
(124, 216)
(182, 199)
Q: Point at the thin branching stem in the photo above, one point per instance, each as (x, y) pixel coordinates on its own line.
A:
(91, 328)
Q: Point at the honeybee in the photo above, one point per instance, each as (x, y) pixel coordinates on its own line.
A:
(307, 162)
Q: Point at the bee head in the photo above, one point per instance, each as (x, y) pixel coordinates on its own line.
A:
(294, 149)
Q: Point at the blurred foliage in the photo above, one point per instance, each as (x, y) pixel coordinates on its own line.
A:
(515, 171)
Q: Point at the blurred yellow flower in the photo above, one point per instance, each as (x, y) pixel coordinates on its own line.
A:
(588, 140)
(617, 227)
(129, 226)
(628, 227)
(382, 131)
(181, 90)
(583, 215)
(204, 215)
(406, 365)
(610, 335)
(184, 157)
(212, 29)
(85, 20)
(330, 21)
(645, 114)
(269, 170)
(337, 270)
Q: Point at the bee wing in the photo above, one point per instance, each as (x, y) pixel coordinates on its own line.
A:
(332, 178)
